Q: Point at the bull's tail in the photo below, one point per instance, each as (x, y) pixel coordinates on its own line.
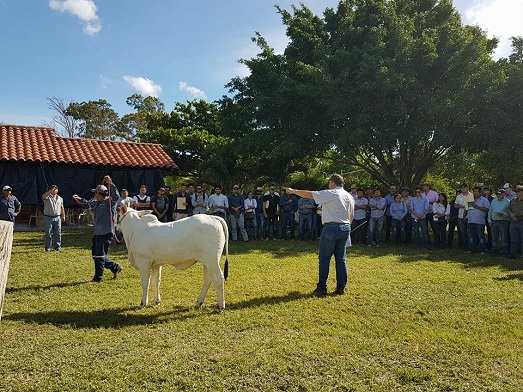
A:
(226, 232)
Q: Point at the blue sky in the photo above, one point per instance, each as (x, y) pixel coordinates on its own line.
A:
(178, 50)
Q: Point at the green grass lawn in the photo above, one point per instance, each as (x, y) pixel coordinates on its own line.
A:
(410, 321)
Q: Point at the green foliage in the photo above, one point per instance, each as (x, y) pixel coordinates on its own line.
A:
(393, 85)
(97, 120)
(410, 321)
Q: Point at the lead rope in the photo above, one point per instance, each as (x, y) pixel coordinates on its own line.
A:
(113, 229)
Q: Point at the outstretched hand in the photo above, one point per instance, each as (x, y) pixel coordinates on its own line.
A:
(108, 180)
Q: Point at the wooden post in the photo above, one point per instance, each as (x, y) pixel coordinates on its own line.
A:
(6, 243)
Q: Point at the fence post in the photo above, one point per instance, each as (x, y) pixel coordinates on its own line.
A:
(6, 242)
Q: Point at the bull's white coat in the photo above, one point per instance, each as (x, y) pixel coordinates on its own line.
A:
(151, 244)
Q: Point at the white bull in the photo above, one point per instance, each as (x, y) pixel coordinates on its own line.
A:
(151, 244)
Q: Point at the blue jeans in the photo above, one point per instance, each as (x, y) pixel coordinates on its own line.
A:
(99, 249)
(398, 231)
(358, 236)
(499, 232)
(287, 217)
(332, 242)
(375, 228)
(476, 237)
(271, 220)
(305, 227)
(251, 223)
(53, 227)
(516, 238)
(421, 225)
(260, 223)
(462, 228)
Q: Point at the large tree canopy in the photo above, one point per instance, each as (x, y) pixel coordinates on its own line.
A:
(392, 85)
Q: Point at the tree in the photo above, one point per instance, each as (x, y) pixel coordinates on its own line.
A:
(97, 120)
(144, 106)
(67, 123)
(188, 133)
(507, 139)
(394, 86)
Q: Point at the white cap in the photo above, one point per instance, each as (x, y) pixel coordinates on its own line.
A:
(100, 189)
(507, 185)
(7, 188)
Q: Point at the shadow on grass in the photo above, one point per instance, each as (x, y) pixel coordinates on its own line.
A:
(511, 277)
(10, 290)
(121, 317)
(414, 254)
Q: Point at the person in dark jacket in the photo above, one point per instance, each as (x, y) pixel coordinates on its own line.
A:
(9, 205)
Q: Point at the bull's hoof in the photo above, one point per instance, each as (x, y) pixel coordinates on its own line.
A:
(220, 310)
(156, 303)
(198, 305)
(142, 306)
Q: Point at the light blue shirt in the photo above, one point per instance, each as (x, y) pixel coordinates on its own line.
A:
(419, 206)
(380, 205)
(496, 206)
(304, 201)
(360, 214)
(390, 200)
(475, 215)
(398, 210)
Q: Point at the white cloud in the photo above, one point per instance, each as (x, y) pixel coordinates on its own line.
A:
(193, 91)
(144, 86)
(500, 18)
(83, 9)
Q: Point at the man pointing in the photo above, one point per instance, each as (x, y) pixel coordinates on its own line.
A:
(337, 215)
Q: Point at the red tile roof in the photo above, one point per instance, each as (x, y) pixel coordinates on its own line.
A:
(40, 144)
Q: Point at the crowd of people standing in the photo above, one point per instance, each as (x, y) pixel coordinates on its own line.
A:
(483, 220)
(476, 220)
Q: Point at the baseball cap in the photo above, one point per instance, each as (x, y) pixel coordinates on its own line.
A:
(507, 185)
(100, 189)
(259, 188)
(7, 188)
(500, 191)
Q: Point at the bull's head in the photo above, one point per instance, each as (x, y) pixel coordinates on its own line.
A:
(124, 211)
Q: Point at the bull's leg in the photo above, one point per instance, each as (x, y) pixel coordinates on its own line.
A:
(145, 275)
(218, 285)
(156, 277)
(207, 279)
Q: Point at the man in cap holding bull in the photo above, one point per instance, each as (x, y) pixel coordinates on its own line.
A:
(104, 207)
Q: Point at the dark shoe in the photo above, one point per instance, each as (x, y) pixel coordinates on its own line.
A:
(117, 272)
(318, 293)
(340, 291)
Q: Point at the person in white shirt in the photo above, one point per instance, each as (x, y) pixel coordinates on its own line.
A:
(462, 203)
(54, 215)
(199, 201)
(337, 215)
(441, 211)
(249, 205)
(124, 200)
(218, 203)
(360, 213)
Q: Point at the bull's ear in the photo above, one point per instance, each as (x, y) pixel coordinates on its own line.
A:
(123, 209)
(144, 212)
